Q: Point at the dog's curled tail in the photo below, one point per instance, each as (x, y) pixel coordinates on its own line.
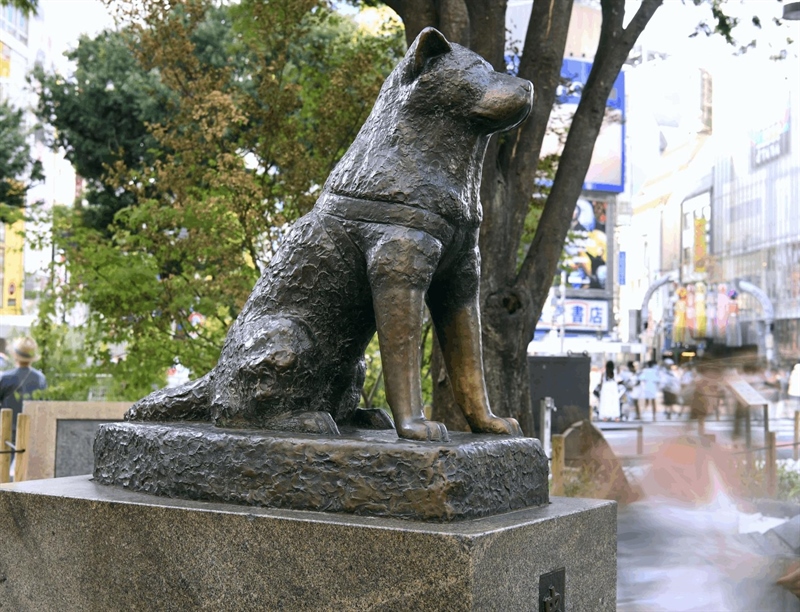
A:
(189, 402)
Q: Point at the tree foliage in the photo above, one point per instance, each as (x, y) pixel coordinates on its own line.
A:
(100, 115)
(252, 105)
(26, 6)
(18, 172)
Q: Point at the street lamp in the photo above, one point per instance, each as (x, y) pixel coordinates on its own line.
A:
(792, 11)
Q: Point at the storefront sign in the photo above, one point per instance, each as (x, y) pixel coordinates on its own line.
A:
(579, 315)
(771, 142)
(607, 169)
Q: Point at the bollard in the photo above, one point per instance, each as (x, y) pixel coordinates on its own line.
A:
(21, 444)
(557, 464)
(640, 440)
(6, 414)
(546, 408)
(772, 465)
(748, 432)
(796, 449)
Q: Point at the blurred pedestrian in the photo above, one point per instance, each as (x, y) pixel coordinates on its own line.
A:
(687, 385)
(19, 383)
(630, 380)
(609, 409)
(671, 386)
(650, 379)
(793, 388)
(708, 391)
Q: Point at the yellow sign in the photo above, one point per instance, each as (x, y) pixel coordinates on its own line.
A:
(700, 245)
(5, 62)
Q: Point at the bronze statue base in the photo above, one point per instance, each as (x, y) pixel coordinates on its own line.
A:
(360, 472)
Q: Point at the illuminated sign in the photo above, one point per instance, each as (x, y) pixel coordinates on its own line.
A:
(607, 168)
(579, 315)
(771, 142)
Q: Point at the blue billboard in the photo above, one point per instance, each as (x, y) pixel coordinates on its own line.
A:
(607, 169)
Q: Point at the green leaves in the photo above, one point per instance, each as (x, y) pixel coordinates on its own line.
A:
(18, 172)
(100, 116)
(26, 6)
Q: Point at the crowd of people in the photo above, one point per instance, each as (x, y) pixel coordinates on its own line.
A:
(626, 392)
(692, 390)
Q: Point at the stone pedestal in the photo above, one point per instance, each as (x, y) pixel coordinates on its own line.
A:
(361, 472)
(70, 544)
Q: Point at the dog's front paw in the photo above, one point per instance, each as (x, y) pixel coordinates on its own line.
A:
(422, 429)
(499, 425)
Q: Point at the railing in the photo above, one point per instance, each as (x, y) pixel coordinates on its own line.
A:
(558, 456)
(748, 398)
(771, 459)
(639, 434)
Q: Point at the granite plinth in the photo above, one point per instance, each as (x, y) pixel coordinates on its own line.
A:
(69, 544)
(361, 472)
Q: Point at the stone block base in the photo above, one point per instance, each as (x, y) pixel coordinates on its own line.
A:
(69, 544)
(362, 472)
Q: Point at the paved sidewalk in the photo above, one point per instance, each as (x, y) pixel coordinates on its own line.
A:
(686, 545)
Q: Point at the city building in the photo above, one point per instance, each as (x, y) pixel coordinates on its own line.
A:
(24, 42)
(714, 227)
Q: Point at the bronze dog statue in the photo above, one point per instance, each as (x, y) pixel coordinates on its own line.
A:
(396, 226)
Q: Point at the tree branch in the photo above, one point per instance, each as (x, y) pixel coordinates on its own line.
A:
(640, 20)
(613, 16)
(541, 260)
(454, 21)
(488, 30)
(416, 15)
(509, 177)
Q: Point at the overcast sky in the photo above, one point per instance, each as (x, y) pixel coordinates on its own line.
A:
(68, 19)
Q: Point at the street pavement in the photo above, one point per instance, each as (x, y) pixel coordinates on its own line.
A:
(622, 435)
(688, 544)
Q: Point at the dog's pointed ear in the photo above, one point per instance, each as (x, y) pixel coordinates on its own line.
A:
(429, 44)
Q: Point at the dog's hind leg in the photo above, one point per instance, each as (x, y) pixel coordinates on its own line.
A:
(189, 402)
(453, 304)
(459, 335)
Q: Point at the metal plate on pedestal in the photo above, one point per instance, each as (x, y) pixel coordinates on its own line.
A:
(551, 591)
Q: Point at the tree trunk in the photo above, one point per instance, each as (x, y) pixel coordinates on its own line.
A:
(506, 331)
(506, 191)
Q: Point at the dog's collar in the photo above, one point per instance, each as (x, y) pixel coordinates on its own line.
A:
(381, 211)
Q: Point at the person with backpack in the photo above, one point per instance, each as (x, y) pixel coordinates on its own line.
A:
(19, 383)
